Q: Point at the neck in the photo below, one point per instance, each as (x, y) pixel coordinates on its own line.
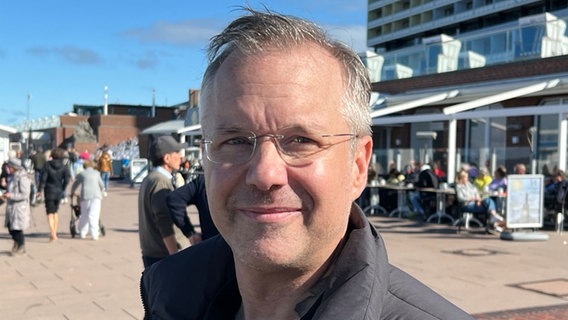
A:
(167, 168)
(274, 294)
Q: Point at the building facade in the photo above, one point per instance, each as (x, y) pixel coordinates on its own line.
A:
(482, 82)
(87, 128)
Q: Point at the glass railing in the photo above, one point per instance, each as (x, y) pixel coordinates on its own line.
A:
(533, 37)
(544, 163)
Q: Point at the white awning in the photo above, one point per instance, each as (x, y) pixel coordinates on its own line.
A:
(7, 129)
(510, 94)
(190, 130)
(166, 127)
(414, 103)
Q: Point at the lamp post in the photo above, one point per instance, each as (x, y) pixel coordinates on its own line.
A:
(153, 113)
(105, 108)
(28, 127)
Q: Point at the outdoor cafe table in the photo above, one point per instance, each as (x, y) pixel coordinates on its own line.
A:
(402, 208)
(441, 195)
(374, 205)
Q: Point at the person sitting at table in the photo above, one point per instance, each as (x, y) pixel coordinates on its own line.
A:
(372, 177)
(499, 179)
(520, 168)
(439, 172)
(470, 201)
(551, 190)
(483, 179)
(426, 179)
(410, 175)
(395, 177)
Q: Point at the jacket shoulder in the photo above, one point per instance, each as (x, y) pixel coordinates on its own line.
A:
(182, 285)
(407, 298)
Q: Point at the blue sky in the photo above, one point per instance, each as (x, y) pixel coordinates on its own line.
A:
(64, 52)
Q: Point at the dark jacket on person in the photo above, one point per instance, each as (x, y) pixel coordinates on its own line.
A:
(191, 193)
(54, 179)
(427, 179)
(200, 283)
(38, 160)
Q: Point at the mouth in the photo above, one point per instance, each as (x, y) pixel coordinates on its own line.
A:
(270, 215)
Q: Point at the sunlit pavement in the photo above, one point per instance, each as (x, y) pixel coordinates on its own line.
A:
(84, 279)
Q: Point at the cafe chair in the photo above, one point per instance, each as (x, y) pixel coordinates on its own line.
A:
(466, 218)
(372, 204)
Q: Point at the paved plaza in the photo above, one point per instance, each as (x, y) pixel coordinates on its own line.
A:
(84, 279)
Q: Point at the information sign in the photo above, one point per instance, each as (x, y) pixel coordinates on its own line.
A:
(524, 201)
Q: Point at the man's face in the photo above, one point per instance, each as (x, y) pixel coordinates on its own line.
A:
(274, 214)
(173, 161)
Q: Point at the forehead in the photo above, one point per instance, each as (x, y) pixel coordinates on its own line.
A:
(301, 86)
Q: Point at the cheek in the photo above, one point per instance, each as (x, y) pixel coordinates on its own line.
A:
(325, 183)
(218, 183)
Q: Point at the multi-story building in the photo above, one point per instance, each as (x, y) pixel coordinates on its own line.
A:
(475, 81)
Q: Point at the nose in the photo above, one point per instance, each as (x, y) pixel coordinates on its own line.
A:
(266, 169)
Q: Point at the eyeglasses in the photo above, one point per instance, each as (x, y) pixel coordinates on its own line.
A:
(237, 147)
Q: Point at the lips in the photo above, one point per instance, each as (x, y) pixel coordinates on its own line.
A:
(270, 215)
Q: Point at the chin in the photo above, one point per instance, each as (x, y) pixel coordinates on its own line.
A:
(269, 252)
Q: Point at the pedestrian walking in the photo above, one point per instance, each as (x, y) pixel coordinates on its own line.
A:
(54, 180)
(104, 165)
(90, 196)
(17, 198)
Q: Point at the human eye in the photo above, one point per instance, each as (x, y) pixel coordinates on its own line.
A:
(238, 140)
(232, 140)
(299, 144)
(297, 139)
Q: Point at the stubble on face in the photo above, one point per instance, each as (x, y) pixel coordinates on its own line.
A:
(265, 94)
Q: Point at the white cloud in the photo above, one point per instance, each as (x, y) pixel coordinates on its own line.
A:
(78, 55)
(185, 33)
(72, 54)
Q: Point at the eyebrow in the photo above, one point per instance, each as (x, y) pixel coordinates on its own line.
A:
(294, 128)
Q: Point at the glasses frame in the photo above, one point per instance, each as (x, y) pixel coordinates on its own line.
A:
(275, 139)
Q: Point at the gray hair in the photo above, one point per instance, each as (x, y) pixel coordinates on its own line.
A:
(258, 32)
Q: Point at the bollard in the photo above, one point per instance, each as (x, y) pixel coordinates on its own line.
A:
(559, 222)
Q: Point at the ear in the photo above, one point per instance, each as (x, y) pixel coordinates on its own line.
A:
(361, 164)
(168, 161)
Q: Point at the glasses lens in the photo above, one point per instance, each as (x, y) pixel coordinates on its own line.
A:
(294, 148)
(231, 147)
(299, 148)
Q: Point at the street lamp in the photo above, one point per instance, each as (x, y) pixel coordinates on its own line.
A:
(28, 127)
(105, 108)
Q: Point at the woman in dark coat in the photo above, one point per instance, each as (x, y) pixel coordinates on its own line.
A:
(54, 180)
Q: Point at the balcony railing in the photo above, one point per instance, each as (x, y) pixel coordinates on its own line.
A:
(535, 37)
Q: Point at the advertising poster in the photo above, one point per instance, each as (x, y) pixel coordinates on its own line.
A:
(524, 201)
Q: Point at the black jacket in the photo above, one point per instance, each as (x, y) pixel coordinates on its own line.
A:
(191, 193)
(54, 179)
(200, 283)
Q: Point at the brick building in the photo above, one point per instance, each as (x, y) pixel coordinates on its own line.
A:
(87, 128)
